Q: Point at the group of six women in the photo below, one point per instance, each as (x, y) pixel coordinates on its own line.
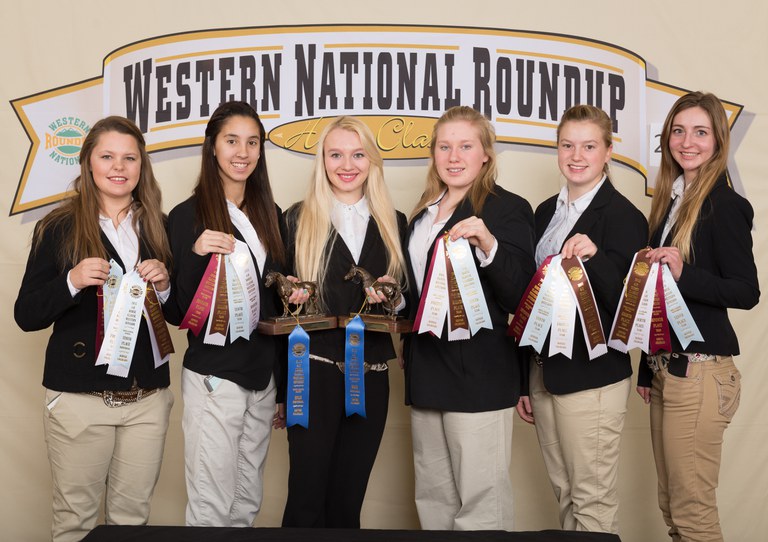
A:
(109, 430)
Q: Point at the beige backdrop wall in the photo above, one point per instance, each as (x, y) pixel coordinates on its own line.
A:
(716, 46)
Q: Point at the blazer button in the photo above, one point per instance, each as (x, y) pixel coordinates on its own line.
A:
(78, 349)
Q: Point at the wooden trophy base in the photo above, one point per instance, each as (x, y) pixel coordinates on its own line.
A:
(380, 323)
(284, 325)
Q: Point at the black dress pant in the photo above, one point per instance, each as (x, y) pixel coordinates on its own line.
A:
(330, 462)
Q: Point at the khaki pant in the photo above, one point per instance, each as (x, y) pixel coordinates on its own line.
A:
(226, 439)
(688, 418)
(461, 462)
(580, 434)
(93, 447)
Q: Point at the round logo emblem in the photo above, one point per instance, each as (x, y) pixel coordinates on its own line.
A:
(298, 350)
(575, 273)
(354, 339)
(641, 268)
(136, 292)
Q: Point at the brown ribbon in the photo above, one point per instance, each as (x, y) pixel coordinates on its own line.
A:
(456, 311)
(220, 312)
(157, 321)
(636, 280)
(577, 276)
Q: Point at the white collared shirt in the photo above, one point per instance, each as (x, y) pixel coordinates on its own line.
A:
(562, 222)
(126, 243)
(424, 232)
(678, 190)
(351, 222)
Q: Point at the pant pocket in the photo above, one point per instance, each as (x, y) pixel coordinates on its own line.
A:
(728, 392)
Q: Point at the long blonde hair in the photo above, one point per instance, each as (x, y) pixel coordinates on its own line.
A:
(698, 190)
(84, 238)
(315, 235)
(485, 182)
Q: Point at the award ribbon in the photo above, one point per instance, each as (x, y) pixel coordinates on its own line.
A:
(680, 317)
(651, 303)
(298, 378)
(247, 287)
(201, 302)
(218, 321)
(559, 289)
(641, 329)
(660, 339)
(433, 305)
(354, 368)
(540, 320)
(159, 337)
(634, 287)
(468, 280)
(452, 289)
(105, 299)
(123, 328)
(563, 314)
(586, 305)
(523, 311)
(458, 327)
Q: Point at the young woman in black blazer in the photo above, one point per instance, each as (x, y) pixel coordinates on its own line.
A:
(701, 229)
(463, 392)
(229, 391)
(346, 219)
(579, 403)
(104, 432)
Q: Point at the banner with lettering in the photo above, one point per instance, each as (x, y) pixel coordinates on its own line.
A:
(398, 79)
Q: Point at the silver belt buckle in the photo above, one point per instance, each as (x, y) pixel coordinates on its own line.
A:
(110, 401)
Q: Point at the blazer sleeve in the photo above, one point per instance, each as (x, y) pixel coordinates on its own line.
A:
(188, 268)
(44, 295)
(624, 233)
(735, 283)
(510, 220)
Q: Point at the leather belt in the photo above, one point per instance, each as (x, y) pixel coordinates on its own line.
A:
(118, 398)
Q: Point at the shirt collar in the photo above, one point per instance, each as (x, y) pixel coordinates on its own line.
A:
(361, 207)
(678, 187)
(581, 204)
(104, 220)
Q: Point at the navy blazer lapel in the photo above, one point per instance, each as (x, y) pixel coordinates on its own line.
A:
(593, 211)
(112, 252)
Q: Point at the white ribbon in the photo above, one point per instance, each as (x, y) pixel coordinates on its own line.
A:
(121, 332)
(468, 280)
(436, 302)
(680, 318)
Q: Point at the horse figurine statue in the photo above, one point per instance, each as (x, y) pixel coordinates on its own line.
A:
(391, 290)
(286, 287)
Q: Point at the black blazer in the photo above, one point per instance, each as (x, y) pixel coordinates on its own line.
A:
(722, 275)
(70, 358)
(481, 373)
(343, 297)
(250, 363)
(619, 230)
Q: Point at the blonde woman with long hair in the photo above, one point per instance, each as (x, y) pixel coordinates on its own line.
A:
(463, 393)
(701, 229)
(346, 219)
